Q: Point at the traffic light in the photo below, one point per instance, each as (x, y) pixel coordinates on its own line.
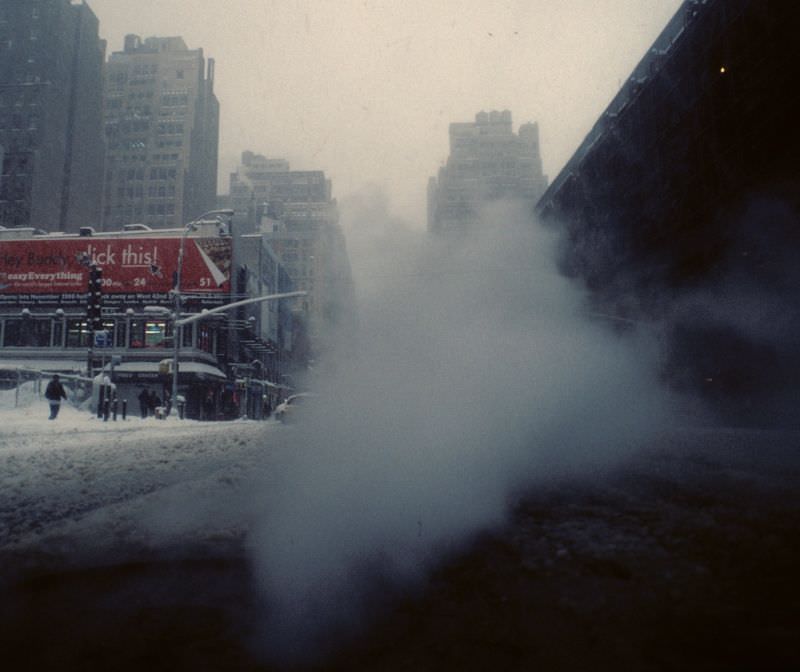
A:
(95, 298)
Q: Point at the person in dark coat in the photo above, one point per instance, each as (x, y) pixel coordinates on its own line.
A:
(144, 402)
(54, 394)
(208, 405)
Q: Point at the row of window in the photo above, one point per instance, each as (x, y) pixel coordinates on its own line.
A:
(156, 222)
(19, 121)
(168, 100)
(165, 128)
(20, 99)
(128, 126)
(114, 102)
(168, 191)
(121, 333)
(128, 144)
(139, 74)
(175, 99)
(33, 35)
(158, 173)
(35, 13)
(137, 210)
(138, 158)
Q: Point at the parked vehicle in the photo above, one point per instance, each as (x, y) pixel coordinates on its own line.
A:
(288, 409)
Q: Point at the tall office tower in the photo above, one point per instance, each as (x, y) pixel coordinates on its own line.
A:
(299, 220)
(162, 134)
(487, 162)
(51, 115)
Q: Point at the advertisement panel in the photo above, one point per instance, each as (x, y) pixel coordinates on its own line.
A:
(135, 270)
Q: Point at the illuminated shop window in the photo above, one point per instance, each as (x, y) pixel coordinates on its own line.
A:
(150, 334)
(156, 333)
(78, 333)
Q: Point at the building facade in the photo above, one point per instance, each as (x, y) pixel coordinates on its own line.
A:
(162, 134)
(294, 212)
(45, 325)
(487, 162)
(51, 102)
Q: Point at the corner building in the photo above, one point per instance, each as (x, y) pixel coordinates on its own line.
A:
(234, 357)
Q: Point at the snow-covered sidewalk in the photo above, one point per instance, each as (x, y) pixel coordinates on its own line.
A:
(79, 480)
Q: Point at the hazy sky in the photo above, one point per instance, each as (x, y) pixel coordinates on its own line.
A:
(365, 89)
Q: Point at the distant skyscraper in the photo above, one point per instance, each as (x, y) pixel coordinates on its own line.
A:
(162, 134)
(253, 184)
(487, 162)
(51, 102)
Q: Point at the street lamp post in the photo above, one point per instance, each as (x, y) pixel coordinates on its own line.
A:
(177, 327)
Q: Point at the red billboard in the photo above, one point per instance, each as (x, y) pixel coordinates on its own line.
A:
(135, 270)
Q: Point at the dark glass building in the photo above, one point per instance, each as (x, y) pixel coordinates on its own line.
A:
(51, 101)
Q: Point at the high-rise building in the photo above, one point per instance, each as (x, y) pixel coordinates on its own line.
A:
(51, 102)
(487, 162)
(298, 218)
(251, 185)
(162, 134)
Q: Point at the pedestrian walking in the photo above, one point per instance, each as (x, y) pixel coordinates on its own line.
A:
(144, 402)
(54, 394)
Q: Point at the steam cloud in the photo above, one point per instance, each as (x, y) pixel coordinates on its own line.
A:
(475, 375)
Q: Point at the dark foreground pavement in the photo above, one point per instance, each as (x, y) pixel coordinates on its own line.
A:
(687, 558)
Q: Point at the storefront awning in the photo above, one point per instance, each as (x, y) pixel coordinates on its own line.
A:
(199, 367)
(150, 369)
(258, 381)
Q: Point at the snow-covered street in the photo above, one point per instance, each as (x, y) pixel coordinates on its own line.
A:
(78, 478)
(133, 541)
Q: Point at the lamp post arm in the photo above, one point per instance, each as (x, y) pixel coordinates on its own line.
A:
(237, 304)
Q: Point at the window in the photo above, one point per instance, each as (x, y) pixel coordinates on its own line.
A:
(37, 332)
(156, 333)
(58, 333)
(109, 326)
(204, 340)
(12, 333)
(78, 333)
(136, 335)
